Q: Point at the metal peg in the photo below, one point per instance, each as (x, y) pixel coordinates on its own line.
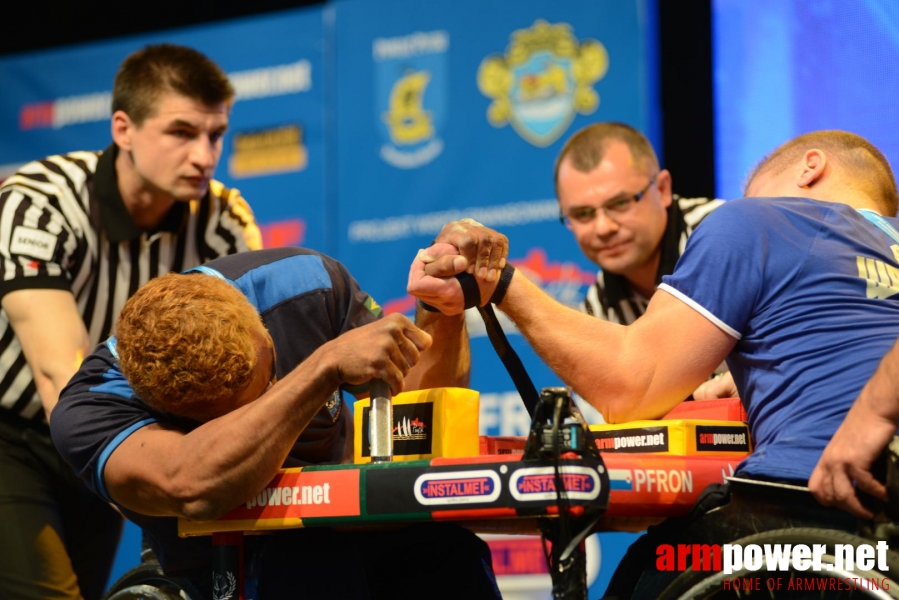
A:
(380, 422)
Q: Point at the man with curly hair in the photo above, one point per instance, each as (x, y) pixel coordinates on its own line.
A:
(219, 377)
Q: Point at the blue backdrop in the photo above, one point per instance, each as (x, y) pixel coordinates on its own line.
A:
(823, 65)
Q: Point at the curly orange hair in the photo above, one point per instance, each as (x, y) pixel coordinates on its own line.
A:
(185, 344)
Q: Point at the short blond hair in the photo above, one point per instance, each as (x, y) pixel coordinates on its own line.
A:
(867, 167)
(587, 147)
(186, 345)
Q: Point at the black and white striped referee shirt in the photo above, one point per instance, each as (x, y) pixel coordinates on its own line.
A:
(612, 297)
(63, 225)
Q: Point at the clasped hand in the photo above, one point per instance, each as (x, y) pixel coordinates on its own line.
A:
(463, 246)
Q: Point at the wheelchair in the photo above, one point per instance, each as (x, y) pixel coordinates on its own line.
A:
(774, 513)
(146, 581)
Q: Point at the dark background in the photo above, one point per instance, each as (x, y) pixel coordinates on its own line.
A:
(685, 60)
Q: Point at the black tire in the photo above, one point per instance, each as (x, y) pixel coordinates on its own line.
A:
(694, 585)
(147, 582)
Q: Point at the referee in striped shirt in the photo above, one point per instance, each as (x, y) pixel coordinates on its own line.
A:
(79, 234)
(619, 205)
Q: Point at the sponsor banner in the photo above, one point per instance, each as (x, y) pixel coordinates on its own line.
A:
(413, 429)
(518, 555)
(642, 439)
(467, 487)
(292, 496)
(267, 151)
(722, 438)
(539, 483)
(674, 436)
(661, 485)
(274, 151)
(519, 563)
(410, 491)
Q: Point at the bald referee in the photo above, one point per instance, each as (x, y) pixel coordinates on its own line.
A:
(79, 234)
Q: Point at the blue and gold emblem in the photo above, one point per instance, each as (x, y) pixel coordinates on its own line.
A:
(545, 77)
(410, 80)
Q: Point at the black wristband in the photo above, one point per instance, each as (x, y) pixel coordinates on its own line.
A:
(425, 306)
(504, 280)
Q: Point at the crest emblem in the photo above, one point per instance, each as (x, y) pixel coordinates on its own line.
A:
(223, 588)
(410, 93)
(333, 405)
(545, 77)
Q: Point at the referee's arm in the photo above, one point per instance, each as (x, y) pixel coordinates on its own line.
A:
(53, 337)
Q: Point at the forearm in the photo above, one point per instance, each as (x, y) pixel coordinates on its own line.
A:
(638, 371)
(52, 335)
(447, 363)
(49, 386)
(581, 350)
(866, 430)
(880, 396)
(625, 372)
(226, 461)
(52, 374)
(872, 420)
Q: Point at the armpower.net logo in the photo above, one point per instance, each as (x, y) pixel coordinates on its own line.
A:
(773, 567)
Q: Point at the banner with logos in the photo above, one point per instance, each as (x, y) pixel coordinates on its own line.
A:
(59, 101)
(459, 110)
(450, 110)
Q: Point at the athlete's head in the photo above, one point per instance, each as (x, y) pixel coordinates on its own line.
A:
(192, 345)
(613, 196)
(147, 74)
(852, 161)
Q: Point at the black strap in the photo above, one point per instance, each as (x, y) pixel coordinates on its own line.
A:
(504, 350)
(510, 359)
(502, 286)
(470, 290)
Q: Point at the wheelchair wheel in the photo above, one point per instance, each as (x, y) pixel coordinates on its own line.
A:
(147, 582)
(829, 583)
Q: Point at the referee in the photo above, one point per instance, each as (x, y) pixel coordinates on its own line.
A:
(79, 234)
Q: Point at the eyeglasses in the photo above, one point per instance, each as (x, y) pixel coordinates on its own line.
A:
(614, 209)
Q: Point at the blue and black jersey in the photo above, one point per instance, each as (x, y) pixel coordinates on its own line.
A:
(304, 298)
